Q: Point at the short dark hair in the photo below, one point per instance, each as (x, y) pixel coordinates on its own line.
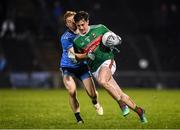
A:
(81, 15)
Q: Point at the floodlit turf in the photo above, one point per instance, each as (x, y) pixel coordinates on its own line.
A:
(50, 109)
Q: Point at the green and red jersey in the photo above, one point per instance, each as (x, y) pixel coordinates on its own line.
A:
(92, 41)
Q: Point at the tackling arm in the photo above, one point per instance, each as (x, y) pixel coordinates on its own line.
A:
(79, 56)
(82, 56)
(71, 54)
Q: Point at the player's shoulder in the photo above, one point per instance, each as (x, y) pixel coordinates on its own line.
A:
(77, 37)
(67, 35)
(97, 26)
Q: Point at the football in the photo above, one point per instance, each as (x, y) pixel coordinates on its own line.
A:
(110, 39)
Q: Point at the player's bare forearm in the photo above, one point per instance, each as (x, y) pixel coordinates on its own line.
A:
(81, 56)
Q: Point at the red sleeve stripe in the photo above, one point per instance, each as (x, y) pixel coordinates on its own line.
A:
(93, 45)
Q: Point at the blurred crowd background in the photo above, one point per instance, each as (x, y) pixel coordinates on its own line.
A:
(30, 31)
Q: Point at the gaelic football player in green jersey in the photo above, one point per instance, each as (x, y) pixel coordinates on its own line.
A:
(102, 65)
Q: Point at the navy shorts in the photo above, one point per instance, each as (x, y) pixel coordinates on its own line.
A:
(81, 73)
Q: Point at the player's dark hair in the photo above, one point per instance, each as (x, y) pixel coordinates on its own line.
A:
(81, 15)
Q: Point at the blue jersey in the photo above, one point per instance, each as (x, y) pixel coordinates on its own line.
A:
(66, 43)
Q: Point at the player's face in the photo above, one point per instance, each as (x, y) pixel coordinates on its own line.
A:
(83, 26)
(70, 23)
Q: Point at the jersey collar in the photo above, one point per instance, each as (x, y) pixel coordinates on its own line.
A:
(86, 32)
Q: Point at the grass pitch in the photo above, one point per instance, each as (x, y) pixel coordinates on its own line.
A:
(44, 109)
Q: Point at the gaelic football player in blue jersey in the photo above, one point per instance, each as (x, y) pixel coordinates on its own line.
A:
(70, 68)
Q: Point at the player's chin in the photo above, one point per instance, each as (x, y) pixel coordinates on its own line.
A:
(83, 32)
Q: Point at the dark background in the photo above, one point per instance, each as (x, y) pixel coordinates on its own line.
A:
(150, 52)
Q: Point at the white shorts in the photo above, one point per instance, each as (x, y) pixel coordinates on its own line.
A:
(109, 63)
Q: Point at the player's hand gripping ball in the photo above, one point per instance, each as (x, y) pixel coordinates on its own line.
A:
(110, 39)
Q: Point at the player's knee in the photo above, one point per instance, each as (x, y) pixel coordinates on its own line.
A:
(102, 82)
(72, 92)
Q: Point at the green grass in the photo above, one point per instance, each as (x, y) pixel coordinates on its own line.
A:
(50, 109)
